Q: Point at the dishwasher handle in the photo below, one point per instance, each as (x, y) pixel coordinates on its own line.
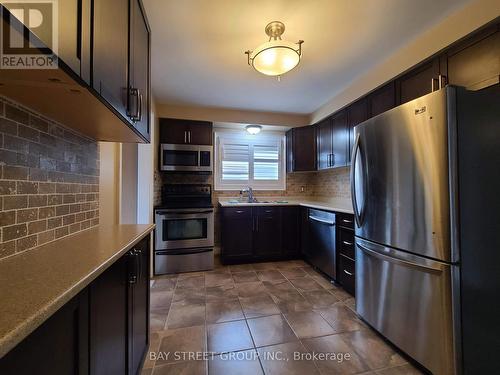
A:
(322, 221)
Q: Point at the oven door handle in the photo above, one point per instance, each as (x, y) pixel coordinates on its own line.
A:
(165, 213)
(182, 252)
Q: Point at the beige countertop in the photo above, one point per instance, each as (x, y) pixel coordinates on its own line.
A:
(321, 203)
(36, 283)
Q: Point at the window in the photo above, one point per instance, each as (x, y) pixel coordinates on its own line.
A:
(243, 160)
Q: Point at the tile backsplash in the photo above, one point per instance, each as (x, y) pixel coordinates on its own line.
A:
(49, 181)
(332, 183)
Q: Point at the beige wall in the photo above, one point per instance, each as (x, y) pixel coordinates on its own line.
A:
(109, 182)
(231, 115)
(453, 28)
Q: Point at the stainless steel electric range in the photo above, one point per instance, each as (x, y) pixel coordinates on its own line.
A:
(184, 236)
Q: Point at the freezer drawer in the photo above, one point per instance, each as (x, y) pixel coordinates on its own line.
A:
(408, 299)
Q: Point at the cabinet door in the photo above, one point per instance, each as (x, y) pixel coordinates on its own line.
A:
(475, 64)
(111, 53)
(356, 114)
(200, 133)
(340, 140)
(382, 99)
(267, 241)
(139, 308)
(304, 232)
(419, 81)
(290, 231)
(304, 149)
(108, 320)
(289, 151)
(139, 103)
(173, 131)
(58, 347)
(237, 233)
(324, 141)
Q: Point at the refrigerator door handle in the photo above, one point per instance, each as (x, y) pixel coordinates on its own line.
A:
(357, 216)
(376, 254)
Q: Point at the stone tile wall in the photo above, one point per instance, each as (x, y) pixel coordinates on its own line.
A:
(49, 180)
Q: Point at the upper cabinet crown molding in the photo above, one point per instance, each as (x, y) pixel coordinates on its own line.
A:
(100, 89)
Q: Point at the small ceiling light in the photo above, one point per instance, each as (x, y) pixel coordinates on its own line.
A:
(253, 129)
(275, 57)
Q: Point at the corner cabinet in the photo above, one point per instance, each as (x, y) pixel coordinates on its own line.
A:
(103, 330)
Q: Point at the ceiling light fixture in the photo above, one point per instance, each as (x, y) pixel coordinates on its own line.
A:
(253, 129)
(275, 57)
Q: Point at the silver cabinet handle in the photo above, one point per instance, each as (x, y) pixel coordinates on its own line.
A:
(349, 273)
(185, 136)
(189, 136)
(133, 92)
(347, 221)
(139, 114)
(433, 84)
(239, 211)
(347, 243)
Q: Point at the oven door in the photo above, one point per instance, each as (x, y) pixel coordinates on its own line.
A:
(184, 228)
(187, 158)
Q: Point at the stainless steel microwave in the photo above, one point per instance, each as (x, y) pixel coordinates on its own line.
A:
(186, 158)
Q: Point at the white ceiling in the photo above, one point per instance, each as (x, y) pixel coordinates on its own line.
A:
(198, 47)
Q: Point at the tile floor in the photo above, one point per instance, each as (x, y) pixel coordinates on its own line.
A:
(265, 318)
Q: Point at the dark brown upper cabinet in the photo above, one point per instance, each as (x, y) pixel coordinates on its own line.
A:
(332, 138)
(102, 54)
(325, 143)
(120, 68)
(111, 52)
(139, 79)
(356, 114)
(475, 62)
(420, 81)
(301, 156)
(382, 99)
(176, 131)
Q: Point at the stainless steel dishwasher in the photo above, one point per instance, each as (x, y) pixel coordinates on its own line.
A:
(321, 251)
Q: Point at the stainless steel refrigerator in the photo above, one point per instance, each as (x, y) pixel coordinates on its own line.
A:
(424, 180)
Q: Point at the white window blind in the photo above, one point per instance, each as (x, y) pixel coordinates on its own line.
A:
(249, 160)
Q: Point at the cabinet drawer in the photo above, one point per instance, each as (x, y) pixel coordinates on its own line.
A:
(267, 211)
(345, 220)
(346, 243)
(347, 274)
(237, 212)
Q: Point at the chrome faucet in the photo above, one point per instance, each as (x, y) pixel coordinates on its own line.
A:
(249, 191)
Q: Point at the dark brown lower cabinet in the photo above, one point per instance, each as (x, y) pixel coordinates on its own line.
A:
(262, 233)
(119, 314)
(58, 347)
(290, 231)
(346, 256)
(103, 330)
(267, 232)
(237, 234)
